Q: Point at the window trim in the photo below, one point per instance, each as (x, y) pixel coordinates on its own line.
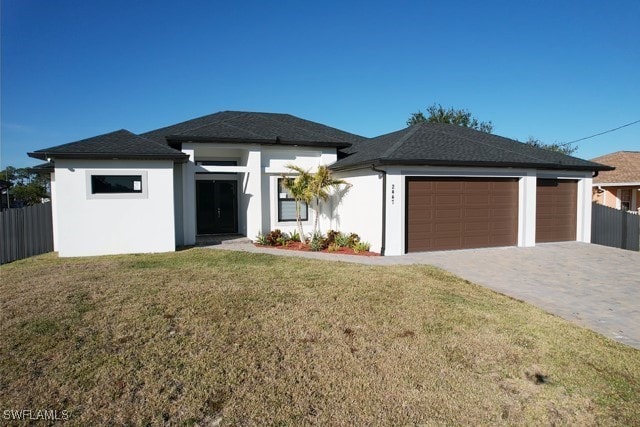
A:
(139, 195)
(303, 218)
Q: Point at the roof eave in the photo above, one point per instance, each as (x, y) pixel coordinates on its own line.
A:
(43, 155)
(434, 162)
(259, 141)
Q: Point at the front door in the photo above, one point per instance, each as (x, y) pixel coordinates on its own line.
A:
(217, 207)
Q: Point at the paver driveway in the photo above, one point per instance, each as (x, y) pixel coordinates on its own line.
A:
(595, 286)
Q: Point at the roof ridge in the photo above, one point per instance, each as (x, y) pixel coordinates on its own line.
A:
(239, 128)
(401, 141)
(491, 145)
(269, 117)
(240, 114)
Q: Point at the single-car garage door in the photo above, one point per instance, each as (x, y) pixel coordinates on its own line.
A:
(460, 213)
(556, 210)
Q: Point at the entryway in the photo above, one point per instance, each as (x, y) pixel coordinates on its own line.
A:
(216, 207)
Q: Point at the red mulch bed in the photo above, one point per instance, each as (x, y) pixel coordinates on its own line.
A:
(303, 247)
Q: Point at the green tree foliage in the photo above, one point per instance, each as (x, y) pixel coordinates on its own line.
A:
(436, 113)
(306, 187)
(558, 148)
(27, 187)
(322, 182)
(300, 189)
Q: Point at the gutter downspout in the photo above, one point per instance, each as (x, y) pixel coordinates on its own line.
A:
(384, 206)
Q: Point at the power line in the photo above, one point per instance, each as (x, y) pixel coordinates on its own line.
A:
(598, 134)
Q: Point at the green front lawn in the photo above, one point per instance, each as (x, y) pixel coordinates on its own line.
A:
(191, 337)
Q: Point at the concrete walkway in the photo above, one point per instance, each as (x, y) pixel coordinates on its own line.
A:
(595, 286)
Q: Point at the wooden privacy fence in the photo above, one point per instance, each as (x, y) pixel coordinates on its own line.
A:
(25, 232)
(614, 227)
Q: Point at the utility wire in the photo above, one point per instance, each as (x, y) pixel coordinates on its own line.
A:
(598, 134)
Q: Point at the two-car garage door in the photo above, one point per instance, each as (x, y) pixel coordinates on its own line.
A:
(461, 213)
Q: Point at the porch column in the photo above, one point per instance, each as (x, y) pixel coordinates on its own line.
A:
(189, 197)
(527, 209)
(252, 192)
(583, 233)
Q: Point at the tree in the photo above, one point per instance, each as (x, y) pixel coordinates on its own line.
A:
(27, 187)
(299, 187)
(438, 114)
(306, 187)
(321, 183)
(558, 148)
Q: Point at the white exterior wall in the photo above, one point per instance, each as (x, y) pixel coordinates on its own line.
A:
(54, 210)
(359, 210)
(177, 203)
(87, 225)
(251, 191)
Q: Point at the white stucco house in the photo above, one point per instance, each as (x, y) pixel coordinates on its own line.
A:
(426, 187)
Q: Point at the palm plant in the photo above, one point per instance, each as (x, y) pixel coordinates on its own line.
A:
(321, 183)
(299, 187)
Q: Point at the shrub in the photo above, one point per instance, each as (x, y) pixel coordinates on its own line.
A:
(354, 239)
(331, 237)
(273, 236)
(361, 247)
(294, 236)
(261, 239)
(334, 247)
(316, 242)
(342, 240)
(283, 240)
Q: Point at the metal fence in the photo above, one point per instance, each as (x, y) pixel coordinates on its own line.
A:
(614, 227)
(25, 232)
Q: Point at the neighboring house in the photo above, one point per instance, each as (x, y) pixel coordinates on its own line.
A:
(619, 188)
(426, 187)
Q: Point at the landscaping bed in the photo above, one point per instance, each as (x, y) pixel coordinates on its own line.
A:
(333, 242)
(304, 247)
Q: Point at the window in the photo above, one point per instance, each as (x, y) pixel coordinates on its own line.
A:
(217, 162)
(116, 184)
(287, 205)
(625, 199)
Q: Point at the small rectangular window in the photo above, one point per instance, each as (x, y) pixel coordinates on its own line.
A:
(116, 184)
(287, 205)
(625, 199)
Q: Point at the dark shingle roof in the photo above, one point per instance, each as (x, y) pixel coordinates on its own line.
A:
(120, 144)
(43, 168)
(440, 144)
(265, 128)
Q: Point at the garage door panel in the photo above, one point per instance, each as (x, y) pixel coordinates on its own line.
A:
(448, 199)
(477, 227)
(477, 213)
(556, 210)
(447, 187)
(448, 213)
(477, 199)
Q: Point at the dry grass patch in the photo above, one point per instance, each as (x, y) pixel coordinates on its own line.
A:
(191, 337)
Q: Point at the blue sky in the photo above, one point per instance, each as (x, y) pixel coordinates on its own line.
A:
(555, 70)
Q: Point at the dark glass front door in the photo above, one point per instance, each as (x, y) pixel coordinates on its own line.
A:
(216, 207)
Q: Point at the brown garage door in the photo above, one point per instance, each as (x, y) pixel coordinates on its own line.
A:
(556, 210)
(459, 213)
